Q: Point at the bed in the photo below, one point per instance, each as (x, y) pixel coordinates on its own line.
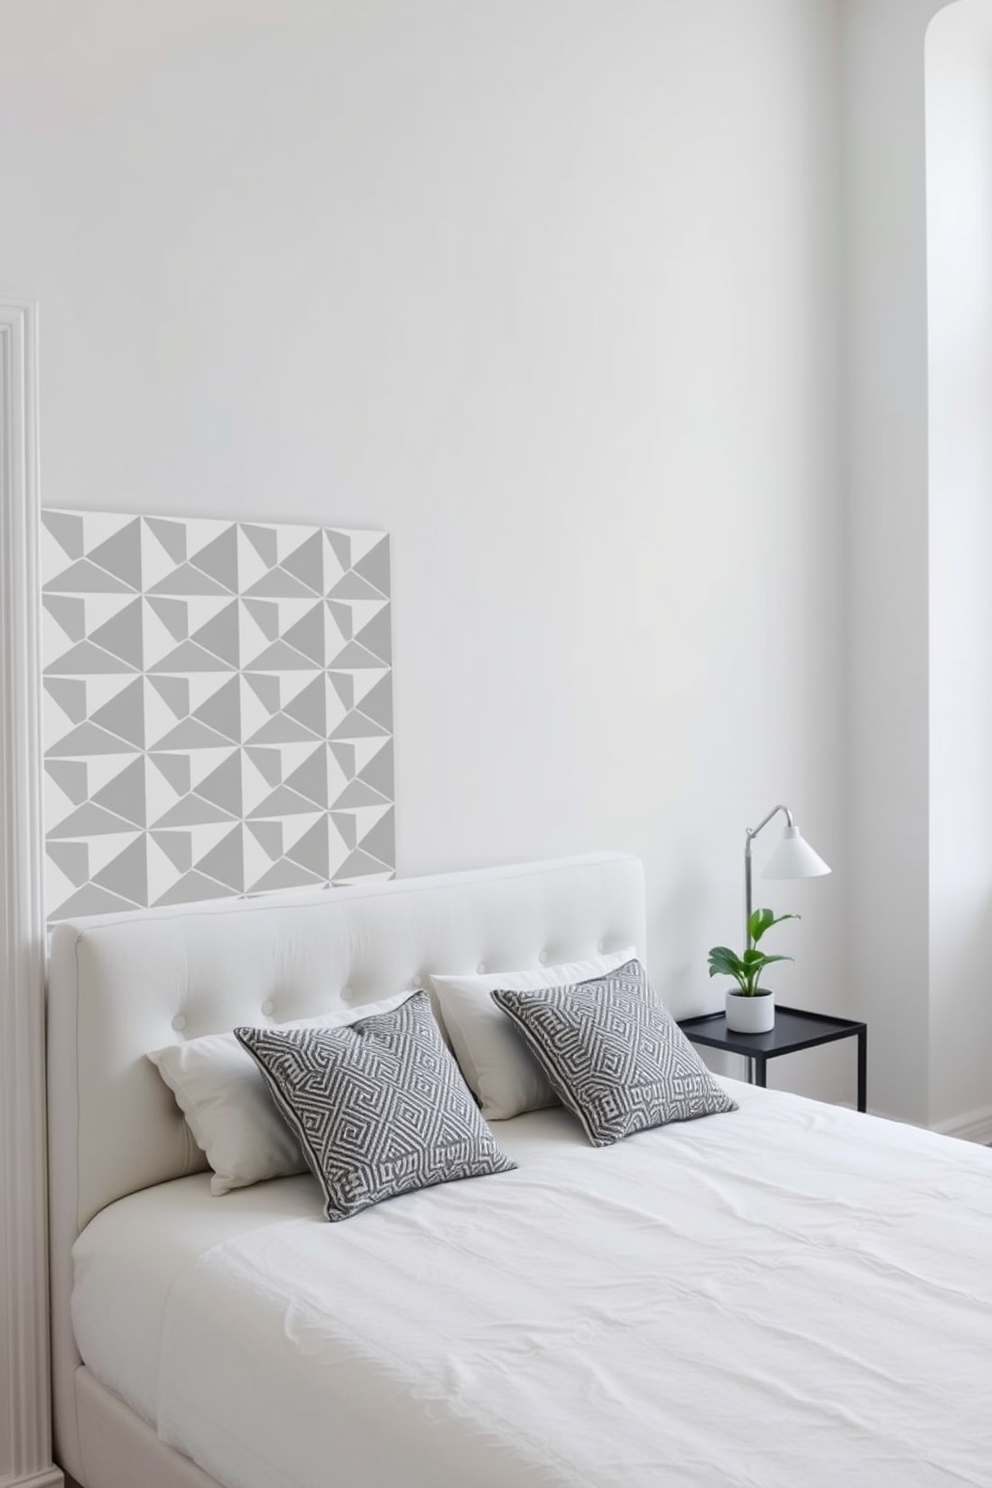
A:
(778, 1293)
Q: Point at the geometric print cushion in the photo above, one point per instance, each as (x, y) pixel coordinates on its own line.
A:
(615, 1056)
(223, 1095)
(379, 1107)
(498, 1067)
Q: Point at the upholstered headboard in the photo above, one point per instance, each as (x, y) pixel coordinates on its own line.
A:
(122, 985)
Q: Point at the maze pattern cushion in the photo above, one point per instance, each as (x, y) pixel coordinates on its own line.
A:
(615, 1056)
(222, 1093)
(378, 1107)
(498, 1067)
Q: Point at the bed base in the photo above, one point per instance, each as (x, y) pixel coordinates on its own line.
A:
(120, 1450)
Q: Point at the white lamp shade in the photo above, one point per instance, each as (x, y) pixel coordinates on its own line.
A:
(794, 858)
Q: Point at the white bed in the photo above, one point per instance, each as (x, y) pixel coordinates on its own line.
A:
(789, 1294)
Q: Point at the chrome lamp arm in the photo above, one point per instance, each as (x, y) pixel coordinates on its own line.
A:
(749, 836)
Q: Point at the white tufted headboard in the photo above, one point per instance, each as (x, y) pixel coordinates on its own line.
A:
(122, 985)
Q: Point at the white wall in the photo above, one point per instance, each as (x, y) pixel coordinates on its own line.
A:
(959, 270)
(918, 227)
(546, 288)
(884, 210)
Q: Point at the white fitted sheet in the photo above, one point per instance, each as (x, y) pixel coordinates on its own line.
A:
(128, 1258)
(789, 1296)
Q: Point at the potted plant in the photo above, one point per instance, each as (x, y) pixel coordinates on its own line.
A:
(750, 1007)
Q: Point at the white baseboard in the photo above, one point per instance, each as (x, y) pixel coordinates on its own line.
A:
(52, 1478)
(973, 1126)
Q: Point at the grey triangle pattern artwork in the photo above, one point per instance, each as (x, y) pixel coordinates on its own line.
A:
(218, 712)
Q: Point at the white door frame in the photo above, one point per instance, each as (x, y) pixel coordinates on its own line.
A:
(25, 1394)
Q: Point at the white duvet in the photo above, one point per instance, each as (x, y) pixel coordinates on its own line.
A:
(789, 1296)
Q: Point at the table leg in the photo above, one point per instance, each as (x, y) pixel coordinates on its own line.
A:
(862, 1069)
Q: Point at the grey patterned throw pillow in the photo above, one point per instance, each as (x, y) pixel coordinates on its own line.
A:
(379, 1107)
(613, 1054)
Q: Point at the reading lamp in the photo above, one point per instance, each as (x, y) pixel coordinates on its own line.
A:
(793, 858)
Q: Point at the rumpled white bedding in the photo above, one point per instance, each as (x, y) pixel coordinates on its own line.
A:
(789, 1296)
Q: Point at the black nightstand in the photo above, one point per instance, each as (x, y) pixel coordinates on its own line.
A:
(793, 1030)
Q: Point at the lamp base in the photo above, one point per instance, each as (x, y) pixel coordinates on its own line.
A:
(751, 1014)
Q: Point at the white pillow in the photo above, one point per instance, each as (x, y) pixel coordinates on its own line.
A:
(499, 1069)
(223, 1095)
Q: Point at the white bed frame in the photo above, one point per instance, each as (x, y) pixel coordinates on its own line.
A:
(121, 985)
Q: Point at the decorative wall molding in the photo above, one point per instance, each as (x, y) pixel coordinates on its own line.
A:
(52, 1477)
(25, 1409)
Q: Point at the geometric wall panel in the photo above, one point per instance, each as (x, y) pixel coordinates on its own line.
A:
(218, 715)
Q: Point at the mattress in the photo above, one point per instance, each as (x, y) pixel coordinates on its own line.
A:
(789, 1294)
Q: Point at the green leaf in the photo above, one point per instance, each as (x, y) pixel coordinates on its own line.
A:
(763, 919)
(746, 969)
(760, 921)
(724, 961)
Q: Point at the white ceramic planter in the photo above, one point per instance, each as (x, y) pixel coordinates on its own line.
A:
(751, 1014)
